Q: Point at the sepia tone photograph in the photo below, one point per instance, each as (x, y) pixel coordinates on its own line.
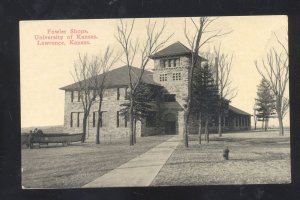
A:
(185, 101)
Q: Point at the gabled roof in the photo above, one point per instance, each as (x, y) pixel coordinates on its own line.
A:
(176, 49)
(119, 77)
(238, 111)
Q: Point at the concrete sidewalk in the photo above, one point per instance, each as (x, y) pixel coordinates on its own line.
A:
(139, 171)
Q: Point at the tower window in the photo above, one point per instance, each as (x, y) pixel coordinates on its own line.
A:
(176, 76)
(170, 63)
(163, 77)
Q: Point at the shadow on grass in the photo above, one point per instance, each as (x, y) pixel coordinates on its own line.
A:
(247, 141)
(212, 162)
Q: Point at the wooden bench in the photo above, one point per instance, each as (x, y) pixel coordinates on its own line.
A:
(65, 139)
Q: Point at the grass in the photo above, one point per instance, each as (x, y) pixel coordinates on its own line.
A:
(254, 158)
(78, 164)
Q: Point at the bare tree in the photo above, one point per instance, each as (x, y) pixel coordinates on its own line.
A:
(99, 69)
(223, 68)
(255, 115)
(82, 77)
(142, 50)
(275, 69)
(196, 41)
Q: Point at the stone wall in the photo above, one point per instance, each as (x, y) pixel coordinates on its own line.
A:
(178, 87)
(110, 104)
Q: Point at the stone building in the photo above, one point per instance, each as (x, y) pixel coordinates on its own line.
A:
(170, 76)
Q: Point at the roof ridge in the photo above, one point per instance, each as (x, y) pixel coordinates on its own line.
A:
(120, 70)
(186, 48)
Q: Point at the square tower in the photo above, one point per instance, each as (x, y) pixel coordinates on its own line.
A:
(171, 71)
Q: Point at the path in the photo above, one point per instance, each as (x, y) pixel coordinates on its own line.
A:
(139, 171)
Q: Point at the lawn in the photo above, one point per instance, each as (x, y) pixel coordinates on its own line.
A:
(254, 158)
(78, 164)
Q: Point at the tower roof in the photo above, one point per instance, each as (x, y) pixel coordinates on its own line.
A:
(175, 49)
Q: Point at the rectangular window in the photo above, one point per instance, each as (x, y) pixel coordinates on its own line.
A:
(169, 97)
(79, 96)
(176, 76)
(121, 120)
(163, 77)
(169, 63)
(126, 93)
(118, 122)
(151, 119)
(72, 96)
(71, 120)
(162, 64)
(177, 61)
(94, 119)
(78, 117)
(103, 119)
(166, 63)
(173, 63)
(118, 93)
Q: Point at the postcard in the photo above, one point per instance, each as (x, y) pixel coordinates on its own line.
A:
(148, 102)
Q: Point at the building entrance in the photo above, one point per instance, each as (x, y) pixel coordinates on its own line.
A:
(170, 127)
(170, 124)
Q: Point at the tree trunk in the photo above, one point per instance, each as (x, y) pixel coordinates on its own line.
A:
(194, 59)
(281, 131)
(134, 131)
(84, 123)
(266, 124)
(186, 131)
(262, 123)
(98, 127)
(200, 127)
(220, 125)
(206, 131)
(131, 123)
(98, 121)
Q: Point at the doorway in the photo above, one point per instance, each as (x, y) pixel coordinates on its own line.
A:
(170, 127)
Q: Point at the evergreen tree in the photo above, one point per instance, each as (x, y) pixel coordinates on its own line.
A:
(265, 103)
(205, 98)
(145, 94)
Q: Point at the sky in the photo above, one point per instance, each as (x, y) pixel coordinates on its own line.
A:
(46, 68)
